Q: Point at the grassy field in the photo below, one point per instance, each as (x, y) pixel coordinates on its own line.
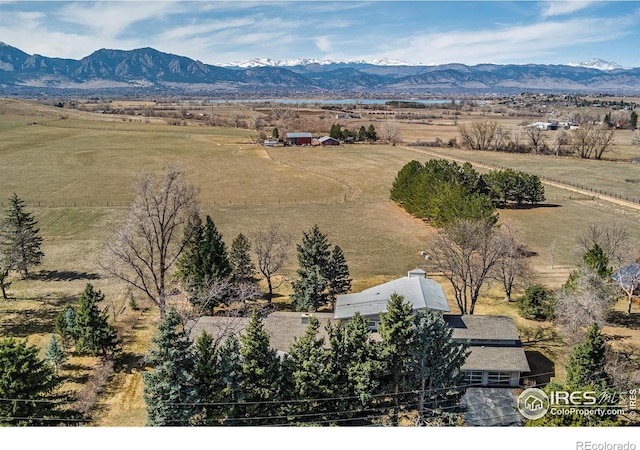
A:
(76, 171)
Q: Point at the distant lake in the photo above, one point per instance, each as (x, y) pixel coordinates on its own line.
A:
(347, 101)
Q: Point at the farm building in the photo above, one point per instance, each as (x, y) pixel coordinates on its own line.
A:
(497, 357)
(416, 288)
(328, 140)
(300, 138)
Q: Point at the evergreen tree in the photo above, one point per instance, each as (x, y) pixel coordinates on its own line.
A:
(230, 377)
(189, 259)
(65, 325)
(213, 253)
(207, 377)
(586, 363)
(323, 272)
(27, 386)
(55, 353)
(243, 270)
(435, 363)
(170, 389)
(371, 133)
(261, 374)
(92, 332)
(204, 261)
(597, 259)
(19, 238)
(337, 275)
(312, 377)
(314, 254)
(396, 330)
(585, 372)
(362, 134)
(536, 303)
(355, 361)
(309, 291)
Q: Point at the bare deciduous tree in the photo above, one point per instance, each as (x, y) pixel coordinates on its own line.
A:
(623, 366)
(502, 138)
(562, 139)
(588, 300)
(627, 278)
(536, 138)
(513, 269)
(272, 248)
(612, 239)
(591, 140)
(480, 134)
(146, 247)
(390, 132)
(467, 253)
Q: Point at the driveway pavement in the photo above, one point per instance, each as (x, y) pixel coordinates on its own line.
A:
(491, 407)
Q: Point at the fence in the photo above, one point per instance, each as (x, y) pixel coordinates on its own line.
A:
(53, 203)
(551, 179)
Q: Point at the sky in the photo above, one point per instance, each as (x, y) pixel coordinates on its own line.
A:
(416, 32)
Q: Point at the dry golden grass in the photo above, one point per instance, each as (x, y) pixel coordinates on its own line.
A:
(90, 161)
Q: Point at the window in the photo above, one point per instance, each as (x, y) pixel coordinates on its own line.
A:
(499, 378)
(474, 377)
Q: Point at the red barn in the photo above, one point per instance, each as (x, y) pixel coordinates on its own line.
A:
(299, 138)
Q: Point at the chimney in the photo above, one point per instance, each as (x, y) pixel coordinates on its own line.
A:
(417, 273)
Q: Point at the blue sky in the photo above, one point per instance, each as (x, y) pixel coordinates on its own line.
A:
(427, 32)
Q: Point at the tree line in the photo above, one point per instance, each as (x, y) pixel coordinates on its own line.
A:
(442, 192)
(586, 140)
(363, 134)
(412, 374)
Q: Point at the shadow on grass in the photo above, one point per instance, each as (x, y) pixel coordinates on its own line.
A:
(542, 368)
(24, 322)
(64, 275)
(527, 206)
(129, 362)
(622, 319)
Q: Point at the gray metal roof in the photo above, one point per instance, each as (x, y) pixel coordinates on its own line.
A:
(497, 358)
(471, 326)
(299, 134)
(327, 138)
(420, 292)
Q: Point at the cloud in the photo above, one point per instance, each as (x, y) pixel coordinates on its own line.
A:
(111, 19)
(561, 8)
(323, 43)
(507, 43)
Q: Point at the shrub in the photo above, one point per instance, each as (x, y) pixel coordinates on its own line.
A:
(536, 303)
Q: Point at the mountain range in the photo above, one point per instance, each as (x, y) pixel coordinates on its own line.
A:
(146, 71)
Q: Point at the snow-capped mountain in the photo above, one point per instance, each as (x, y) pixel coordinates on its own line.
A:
(597, 63)
(269, 62)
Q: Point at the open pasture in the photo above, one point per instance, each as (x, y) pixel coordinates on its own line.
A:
(77, 174)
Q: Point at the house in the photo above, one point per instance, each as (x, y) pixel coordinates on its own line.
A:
(283, 327)
(628, 278)
(328, 140)
(545, 125)
(497, 357)
(301, 138)
(416, 288)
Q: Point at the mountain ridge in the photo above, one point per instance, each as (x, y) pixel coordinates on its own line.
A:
(150, 70)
